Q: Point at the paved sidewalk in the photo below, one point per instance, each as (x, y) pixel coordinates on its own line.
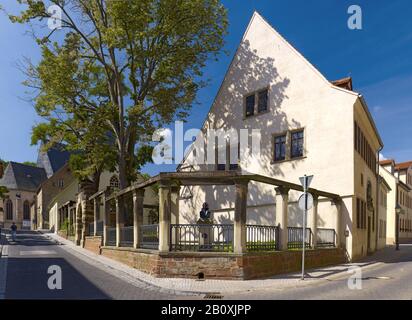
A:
(3, 264)
(315, 276)
(2, 239)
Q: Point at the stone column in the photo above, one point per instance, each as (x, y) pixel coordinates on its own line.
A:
(58, 219)
(174, 203)
(282, 200)
(338, 205)
(314, 224)
(69, 220)
(96, 208)
(106, 213)
(164, 217)
(119, 221)
(239, 234)
(138, 201)
(174, 197)
(78, 224)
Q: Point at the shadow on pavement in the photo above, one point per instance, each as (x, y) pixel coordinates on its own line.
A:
(28, 278)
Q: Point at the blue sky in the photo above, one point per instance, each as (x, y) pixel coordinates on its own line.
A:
(378, 57)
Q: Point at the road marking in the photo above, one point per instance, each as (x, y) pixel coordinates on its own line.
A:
(3, 271)
(37, 252)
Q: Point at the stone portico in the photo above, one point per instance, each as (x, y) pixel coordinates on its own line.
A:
(238, 250)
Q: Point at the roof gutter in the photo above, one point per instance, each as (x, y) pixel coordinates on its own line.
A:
(377, 199)
(365, 107)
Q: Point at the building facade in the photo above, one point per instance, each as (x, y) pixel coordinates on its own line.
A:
(49, 189)
(384, 191)
(399, 178)
(306, 125)
(21, 181)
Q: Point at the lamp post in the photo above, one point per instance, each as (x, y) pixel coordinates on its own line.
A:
(398, 211)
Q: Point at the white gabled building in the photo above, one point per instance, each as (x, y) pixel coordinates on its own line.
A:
(307, 125)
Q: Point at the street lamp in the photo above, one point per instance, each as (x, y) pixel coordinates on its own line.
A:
(398, 211)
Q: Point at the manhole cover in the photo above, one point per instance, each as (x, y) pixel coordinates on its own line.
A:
(378, 278)
(213, 296)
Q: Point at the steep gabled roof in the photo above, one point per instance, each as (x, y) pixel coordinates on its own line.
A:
(53, 159)
(335, 86)
(19, 176)
(344, 85)
(58, 157)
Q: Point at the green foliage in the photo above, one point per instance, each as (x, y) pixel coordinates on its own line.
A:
(30, 163)
(124, 68)
(4, 163)
(65, 225)
(3, 192)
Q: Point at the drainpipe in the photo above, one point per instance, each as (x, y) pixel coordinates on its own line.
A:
(377, 202)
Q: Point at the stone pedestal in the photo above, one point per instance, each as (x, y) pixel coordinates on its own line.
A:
(206, 235)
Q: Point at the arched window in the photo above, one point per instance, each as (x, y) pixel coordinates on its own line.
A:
(9, 209)
(26, 210)
(114, 182)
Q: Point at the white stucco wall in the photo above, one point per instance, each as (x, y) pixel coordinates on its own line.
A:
(299, 97)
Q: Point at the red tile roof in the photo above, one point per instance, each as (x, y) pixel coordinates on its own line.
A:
(386, 162)
(403, 166)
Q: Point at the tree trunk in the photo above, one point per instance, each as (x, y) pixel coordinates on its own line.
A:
(123, 181)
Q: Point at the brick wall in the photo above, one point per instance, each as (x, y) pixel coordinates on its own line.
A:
(62, 233)
(264, 265)
(222, 266)
(93, 244)
(147, 262)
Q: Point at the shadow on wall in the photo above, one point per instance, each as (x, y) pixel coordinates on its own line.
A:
(248, 72)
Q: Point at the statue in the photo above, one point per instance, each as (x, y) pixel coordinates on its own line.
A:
(205, 229)
(205, 213)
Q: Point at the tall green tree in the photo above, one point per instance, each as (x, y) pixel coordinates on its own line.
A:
(3, 189)
(131, 66)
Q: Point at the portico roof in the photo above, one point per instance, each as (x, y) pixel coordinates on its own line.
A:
(218, 178)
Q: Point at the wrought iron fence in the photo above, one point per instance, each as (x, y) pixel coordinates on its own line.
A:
(326, 237)
(149, 236)
(262, 238)
(295, 238)
(111, 236)
(201, 237)
(99, 228)
(126, 236)
(90, 229)
(70, 230)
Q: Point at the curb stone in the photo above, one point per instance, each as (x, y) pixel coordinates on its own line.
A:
(222, 289)
(68, 246)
